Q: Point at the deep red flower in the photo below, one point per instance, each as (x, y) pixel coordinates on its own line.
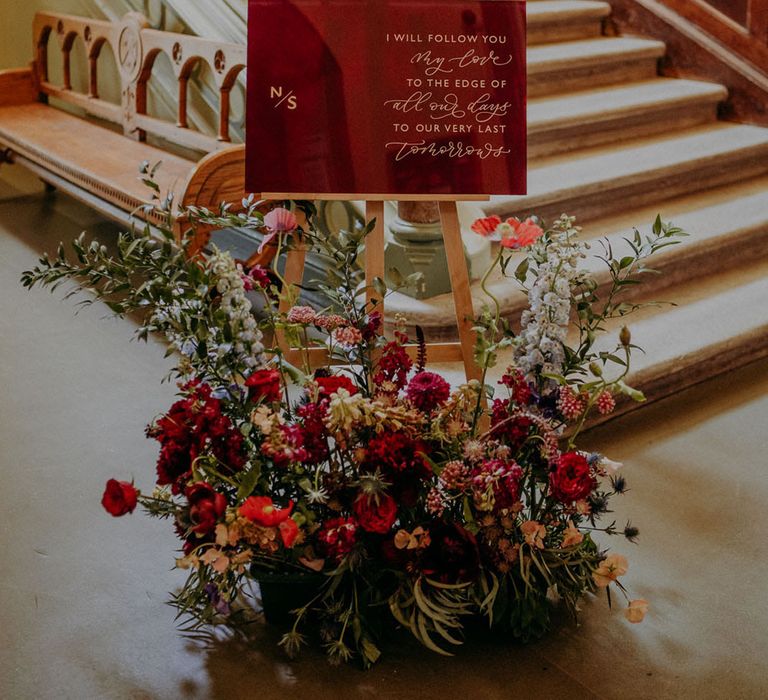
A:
(195, 425)
(396, 454)
(262, 511)
(330, 385)
(376, 515)
(259, 276)
(502, 477)
(519, 388)
(314, 438)
(513, 431)
(372, 326)
(452, 555)
(206, 506)
(337, 537)
(264, 385)
(394, 365)
(571, 479)
(120, 497)
(427, 391)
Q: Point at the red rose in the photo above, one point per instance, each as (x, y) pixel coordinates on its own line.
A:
(571, 479)
(376, 515)
(206, 506)
(264, 384)
(261, 510)
(330, 385)
(119, 498)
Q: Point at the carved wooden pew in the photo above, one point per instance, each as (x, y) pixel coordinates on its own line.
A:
(97, 164)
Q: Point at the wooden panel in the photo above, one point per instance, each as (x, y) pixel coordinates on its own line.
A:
(751, 44)
(17, 87)
(735, 9)
(688, 27)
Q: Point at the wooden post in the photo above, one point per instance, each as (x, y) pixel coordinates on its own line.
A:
(374, 251)
(462, 295)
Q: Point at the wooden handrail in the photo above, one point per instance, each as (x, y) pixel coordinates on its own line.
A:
(749, 42)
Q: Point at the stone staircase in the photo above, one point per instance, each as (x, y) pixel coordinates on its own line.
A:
(614, 144)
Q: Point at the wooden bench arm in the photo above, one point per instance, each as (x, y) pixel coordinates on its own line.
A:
(17, 87)
(220, 177)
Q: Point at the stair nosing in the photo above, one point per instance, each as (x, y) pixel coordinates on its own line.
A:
(639, 49)
(715, 94)
(595, 11)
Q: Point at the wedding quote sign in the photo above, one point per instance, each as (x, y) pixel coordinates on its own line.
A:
(369, 98)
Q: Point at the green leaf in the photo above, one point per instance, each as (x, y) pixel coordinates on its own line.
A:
(248, 482)
(521, 273)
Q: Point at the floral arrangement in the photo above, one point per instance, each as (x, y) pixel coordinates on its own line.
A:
(368, 490)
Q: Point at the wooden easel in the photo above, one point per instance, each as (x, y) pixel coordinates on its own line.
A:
(463, 350)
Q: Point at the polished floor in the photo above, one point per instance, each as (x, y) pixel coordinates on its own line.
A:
(82, 611)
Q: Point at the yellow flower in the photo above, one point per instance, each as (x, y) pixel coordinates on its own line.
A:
(572, 536)
(613, 566)
(636, 610)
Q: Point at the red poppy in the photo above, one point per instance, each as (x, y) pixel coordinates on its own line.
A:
(262, 511)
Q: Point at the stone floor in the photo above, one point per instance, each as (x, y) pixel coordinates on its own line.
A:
(83, 613)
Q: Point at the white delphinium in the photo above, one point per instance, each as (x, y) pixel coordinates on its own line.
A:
(539, 347)
(246, 345)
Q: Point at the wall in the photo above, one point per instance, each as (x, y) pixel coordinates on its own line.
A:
(16, 27)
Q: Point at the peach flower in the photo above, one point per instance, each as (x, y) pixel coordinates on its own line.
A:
(571, 536)
(636, 610)
(534, 533)
(613, 566)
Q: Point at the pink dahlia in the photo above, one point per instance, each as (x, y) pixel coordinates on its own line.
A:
(427, 391)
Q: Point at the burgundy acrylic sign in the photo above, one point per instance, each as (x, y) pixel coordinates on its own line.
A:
(377, 97)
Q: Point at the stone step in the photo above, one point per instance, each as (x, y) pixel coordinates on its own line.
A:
(575, 65)
(588, 118)
(561, 20)
(602, 181)
(727, 226)
(719, 323)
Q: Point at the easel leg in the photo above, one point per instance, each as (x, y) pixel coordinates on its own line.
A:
(374, 252)
(293, 275)
(462, 296)
(374, 262)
